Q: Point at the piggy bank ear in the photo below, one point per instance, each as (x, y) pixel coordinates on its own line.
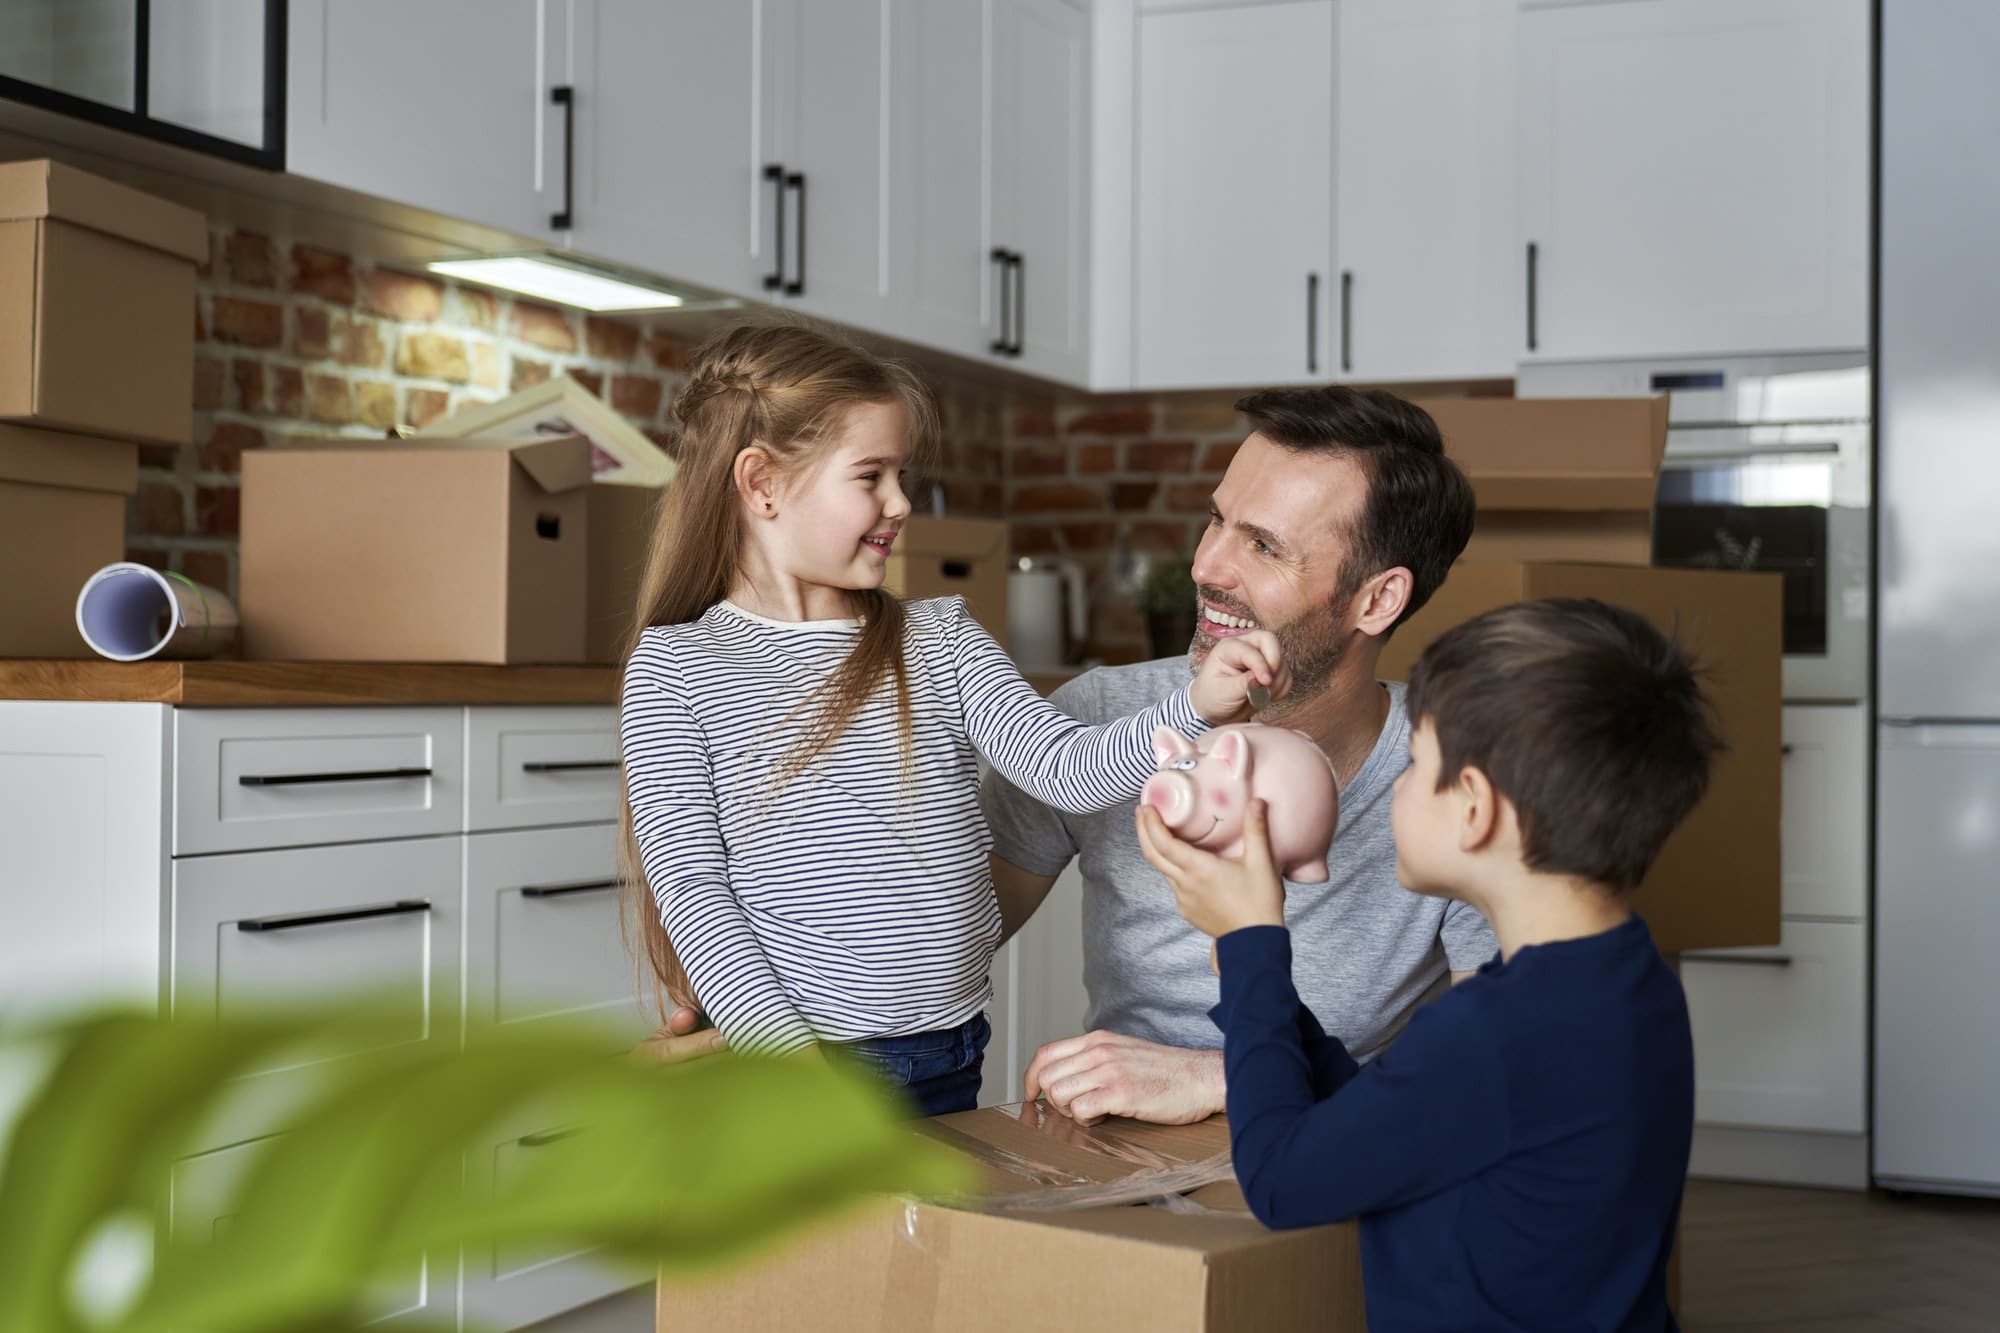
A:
(1233, 749)
(1170, 744)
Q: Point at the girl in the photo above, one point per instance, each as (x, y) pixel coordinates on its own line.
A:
(801, 746)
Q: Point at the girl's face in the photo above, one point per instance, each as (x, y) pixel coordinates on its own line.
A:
(837, 522)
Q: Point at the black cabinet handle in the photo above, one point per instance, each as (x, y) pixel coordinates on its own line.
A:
(796, 180)
(1740, 960)
(569, 766)
(1534, 257)
(360, 775)
(1002, 264)
(565, 97)
(1019, 263)
(545, 1138)
(559, 890)
(1312, 323)
(775, 173)
(1347, 319)
(268, 923)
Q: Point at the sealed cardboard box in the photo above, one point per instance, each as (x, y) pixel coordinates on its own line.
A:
(1558, 478)
(621, 534)
(62, 518)
(1565, 490)
(1122, 1226)
(96, 305)
(954, 557)
(417, 550)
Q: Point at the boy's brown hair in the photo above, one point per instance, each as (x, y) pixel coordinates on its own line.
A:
(1589, 720)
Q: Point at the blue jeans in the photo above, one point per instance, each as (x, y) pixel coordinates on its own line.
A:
(938, 1070)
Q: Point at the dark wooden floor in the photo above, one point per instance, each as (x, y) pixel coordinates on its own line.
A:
(1763, 1260)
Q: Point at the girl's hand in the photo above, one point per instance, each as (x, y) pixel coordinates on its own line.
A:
(1221, 689)
(1218, 896)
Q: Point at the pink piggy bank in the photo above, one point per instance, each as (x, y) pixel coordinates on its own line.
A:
(1201, 791)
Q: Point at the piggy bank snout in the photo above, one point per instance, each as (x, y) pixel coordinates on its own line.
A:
(1172, 794)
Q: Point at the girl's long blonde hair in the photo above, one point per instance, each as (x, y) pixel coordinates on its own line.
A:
(785, 387)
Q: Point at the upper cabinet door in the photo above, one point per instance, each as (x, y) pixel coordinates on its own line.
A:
(1041, 184)
(1430, 283)
(1695, 177)
(1234, 195)
(942, 278)
(826, 124)
(668, 164)
(384, 98)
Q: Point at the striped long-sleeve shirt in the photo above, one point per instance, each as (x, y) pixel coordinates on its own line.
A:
(847, 903)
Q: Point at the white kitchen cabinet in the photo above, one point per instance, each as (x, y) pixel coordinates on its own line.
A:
(1234, 195)
(1429, 283)
(527, 767)
(1038, 994)
(668, 170)
(1824, 828)
(1780, 1035)
(1041, 185)
(445, 105)
(1694, 177)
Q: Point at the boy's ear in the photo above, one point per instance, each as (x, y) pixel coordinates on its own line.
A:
(1480, 815)
(756, 480)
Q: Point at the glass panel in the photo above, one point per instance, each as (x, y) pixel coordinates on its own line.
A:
(81, 47)
(207, 70)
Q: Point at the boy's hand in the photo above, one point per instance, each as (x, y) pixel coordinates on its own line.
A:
(1221, 689)
(1218, 896)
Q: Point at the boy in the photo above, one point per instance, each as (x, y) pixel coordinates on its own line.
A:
(1516, 1158)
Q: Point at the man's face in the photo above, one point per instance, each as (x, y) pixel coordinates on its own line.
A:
(1272, 556)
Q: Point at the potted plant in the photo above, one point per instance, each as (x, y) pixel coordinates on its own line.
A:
(1167, 601)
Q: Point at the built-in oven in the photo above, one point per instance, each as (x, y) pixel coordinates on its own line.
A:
(1766, 468)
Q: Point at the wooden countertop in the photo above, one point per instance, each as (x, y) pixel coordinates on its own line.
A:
(279, 684)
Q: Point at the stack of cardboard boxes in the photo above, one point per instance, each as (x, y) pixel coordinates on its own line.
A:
(96, 355)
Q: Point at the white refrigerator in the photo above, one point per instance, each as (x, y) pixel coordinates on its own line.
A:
(1937, 822)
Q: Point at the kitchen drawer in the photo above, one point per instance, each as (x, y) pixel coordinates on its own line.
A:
(531, 766)
(1825, 811)
(1780, 1035)
(258, 931)
(506, 1290)
(542, 935)
(245, 780)
(202, 1190)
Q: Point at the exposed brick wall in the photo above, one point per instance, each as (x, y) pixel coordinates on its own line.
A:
(294, 341)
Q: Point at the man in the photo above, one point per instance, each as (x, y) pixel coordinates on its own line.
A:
(1336, 521)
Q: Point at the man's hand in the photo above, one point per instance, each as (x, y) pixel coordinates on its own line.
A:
(679, 1041)
(1215, 895)
(1103, 1073)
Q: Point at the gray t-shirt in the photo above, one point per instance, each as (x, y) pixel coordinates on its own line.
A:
(1365, 950)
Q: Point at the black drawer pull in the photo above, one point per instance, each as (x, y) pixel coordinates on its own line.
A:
(558, 890)
(775, 174)
(261, 923)
(360, 775)
(565, 97)
(545, 1138)
(1740, 960)
(796, 180)
(569, 766)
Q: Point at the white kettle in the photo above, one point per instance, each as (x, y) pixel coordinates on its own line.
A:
(1048, 612)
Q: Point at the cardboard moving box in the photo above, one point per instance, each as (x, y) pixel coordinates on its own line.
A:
(416, 551)
(1202, 1265)
(954, 557)
(1565, 490)
(621, 534)
(62, 518)
(96, 304)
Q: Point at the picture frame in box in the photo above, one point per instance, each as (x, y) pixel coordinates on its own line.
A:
(621, 455)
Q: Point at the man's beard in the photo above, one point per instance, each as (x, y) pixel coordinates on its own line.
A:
(1314, 644)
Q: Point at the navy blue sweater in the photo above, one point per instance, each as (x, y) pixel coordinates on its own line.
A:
(1516, 1158)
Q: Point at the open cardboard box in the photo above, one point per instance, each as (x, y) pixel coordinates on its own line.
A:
(96, 305)
(1076, 1228)
(62, 518)
(421, 550)
(954, 557)
(1565, 490)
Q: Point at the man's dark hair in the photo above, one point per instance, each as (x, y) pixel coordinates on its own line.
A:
(1418, 512)
(1591, 721)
